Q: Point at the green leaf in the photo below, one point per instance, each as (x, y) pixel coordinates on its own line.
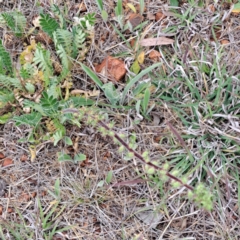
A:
(104, 15)
(135, 68)
(100, 4)
(174, 3)
(101, 183)
(135, 79)
(80, 157)
(57, 136)
(145, 100)
(92, 75)
(118, 8)
(109, 177)
(4, 118)
(142, 6)
(31, 119)
(236, 8)
(30, 88)
(6, 61)
(68, 141)
(57, 188)
(64, 157)
(48, 24)
(111, 93)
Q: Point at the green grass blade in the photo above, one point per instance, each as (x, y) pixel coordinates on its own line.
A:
(92, 75)
(136, 78)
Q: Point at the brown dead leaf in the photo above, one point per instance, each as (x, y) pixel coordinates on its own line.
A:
(156, 41)
(132, 42)
(27, 196)
(159, 16)
(42, 37)
(1, 209)
(2, 155)
(9, 210)
(81, 7)
(211, 8)
(7, 162)
(23, 158)
(135, 19)
(154, 55)
(224, 42)
(112, 68)
(150, 16)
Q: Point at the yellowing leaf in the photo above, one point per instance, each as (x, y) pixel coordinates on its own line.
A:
(32, 150)
(236, 8)
(135, 67)
(130, 5)
(87, 94)
(140, 57)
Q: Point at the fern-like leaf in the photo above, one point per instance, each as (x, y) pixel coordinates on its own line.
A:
(79, 38)
(6, 96)
(20, 24)
(64, 58)
(60, 16)
(65, 38)
(31, 119)
(48, 24)
(5, 59)
(16, 21)
(54, 88)
(42, 58)
(49, 104)
(26, 71)
(9, 83)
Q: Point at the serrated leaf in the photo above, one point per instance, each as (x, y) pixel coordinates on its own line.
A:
(30, 88)
(135, 68)
(31, 119)
(48, 24)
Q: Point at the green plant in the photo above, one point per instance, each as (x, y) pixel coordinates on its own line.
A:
(111, 93)
(48, 219)
(16, 21)
(119, 14)
(40, 70)
(199, 194)
(104, 14)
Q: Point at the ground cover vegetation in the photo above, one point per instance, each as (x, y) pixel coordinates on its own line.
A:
(119, 120)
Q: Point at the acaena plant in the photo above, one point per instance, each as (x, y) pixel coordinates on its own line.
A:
(199, 193)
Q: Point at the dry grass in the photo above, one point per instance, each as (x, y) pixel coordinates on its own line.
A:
(197, 91)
